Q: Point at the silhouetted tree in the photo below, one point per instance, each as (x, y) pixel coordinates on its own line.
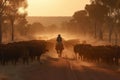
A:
(113, 13)
(97, 13)
(82, 19)
(13, 12)
(10, 9)
(36, 28)
(3, 4)
(22, 26)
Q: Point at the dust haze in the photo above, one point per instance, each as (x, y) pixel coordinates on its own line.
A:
(48, 28)
(37, 29)
(49, 31)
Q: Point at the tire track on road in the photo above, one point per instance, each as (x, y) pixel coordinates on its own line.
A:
(83, 72)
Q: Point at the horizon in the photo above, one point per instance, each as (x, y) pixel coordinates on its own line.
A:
(49, 16)
(48, 20)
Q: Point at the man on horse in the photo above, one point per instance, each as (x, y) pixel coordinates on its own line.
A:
(59, 45)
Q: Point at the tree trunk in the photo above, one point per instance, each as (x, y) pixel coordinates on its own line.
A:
(110, 33)
(116, 39)
(95, 27)
(100, 30)
(12, 31)
(100, 35)
(111, 27)
(0, 29)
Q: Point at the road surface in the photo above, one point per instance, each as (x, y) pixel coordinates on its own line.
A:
(65, 69)
(58, 69)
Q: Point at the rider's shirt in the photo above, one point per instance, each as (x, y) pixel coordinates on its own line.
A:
(59, 39)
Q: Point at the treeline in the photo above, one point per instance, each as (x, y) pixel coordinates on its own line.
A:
(100, 19)
(26, 31)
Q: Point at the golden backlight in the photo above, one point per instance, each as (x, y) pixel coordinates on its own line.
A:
(55, 7)
(21, 10)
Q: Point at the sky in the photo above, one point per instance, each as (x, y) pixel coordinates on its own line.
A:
(55, 7)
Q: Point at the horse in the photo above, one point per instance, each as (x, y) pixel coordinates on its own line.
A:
(59, 48)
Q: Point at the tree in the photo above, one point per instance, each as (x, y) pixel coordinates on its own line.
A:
(15, 11)
(37, 28)
(113, 13)
(10, 8)
(81, 18)
(22, 26)
(97, 13)
(2, 9)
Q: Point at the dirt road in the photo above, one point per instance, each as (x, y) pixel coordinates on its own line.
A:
(63, 69)
(58, 69)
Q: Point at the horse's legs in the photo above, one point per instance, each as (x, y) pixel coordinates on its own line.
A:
(60, 53)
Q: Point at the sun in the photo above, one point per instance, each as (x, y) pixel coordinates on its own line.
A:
(21, 10)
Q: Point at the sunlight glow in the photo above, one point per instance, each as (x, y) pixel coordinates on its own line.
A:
(21, 10)
(55, 7)
(53, 36)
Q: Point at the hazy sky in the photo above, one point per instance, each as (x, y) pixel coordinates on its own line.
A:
(55, 7)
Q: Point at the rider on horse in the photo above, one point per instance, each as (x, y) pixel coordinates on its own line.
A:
(59, 45)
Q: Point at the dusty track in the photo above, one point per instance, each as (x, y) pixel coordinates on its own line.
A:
(58, 69)
(63, 69)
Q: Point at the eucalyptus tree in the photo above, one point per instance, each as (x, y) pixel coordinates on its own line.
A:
(11, 9)
(113, 17)
(3, 4)
(81, 18)
(15, 11)
(97, 13)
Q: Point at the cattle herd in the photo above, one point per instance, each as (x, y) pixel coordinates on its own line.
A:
(98, 54)
(24, 51)
(29, 51)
